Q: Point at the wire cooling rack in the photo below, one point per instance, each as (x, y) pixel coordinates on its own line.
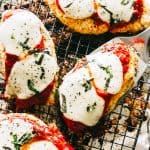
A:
(117, 131)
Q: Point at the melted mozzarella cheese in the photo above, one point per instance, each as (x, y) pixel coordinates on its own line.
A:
(42, 145)
(10, 128)
(20, 32)
(120, 10)
(107, 71)
(40, 75)
(77, 9)
(79, 103)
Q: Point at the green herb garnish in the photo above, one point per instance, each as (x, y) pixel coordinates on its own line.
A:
(43, 73)
(22, 140)
(125, 2)
(91, 107)
(32, 88)
(36, 55)
(56, 93)
(12, 36)
(110, 76)
(87, 84)
(6, 148)
(64, 106)
(40, 60)
(24, 44)
(69, 5)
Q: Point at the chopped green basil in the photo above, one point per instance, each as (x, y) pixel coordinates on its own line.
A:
(64, 105)
(36, 55)
(24, 44)
(31, 87)
(125, 2)
(43, 73)
(110, 76)
(6, 148)
(87, 85)
(22, 140)
(12, 36)
(40, 60)
(69, 5)
(56, 93)
(91, 107)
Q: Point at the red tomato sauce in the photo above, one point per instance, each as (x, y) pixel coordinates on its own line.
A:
(9, 63)
(58, 4)
(41, 45)
(36, 99)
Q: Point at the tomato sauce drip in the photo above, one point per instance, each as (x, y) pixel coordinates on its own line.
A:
(36, 99)
(138, 7)
(9, 63)
(106, 96)
(41, 45)
(74, 125)
(51, 134)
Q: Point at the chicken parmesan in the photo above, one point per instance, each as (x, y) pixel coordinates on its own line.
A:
(26, 132)
(30, 63)
(100, 16)
(93, 87)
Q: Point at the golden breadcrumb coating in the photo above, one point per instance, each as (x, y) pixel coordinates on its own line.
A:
(88, 26)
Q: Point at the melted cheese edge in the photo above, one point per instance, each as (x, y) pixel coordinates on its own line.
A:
(120, 10)
(22, 28)
(77, 9)
(23, 71)
(104, 67)
(82, 104)
(78, 105)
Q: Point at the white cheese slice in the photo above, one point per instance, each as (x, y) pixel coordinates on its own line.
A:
(107, 71)
(77, 9)
(42, 145)
(21, 32)
(79, 103)
(120, 10)
(10, 128)
(40, 75)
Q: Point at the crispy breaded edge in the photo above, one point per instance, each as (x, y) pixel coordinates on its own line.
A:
(127, 83)
(84, 26)
(87, 26)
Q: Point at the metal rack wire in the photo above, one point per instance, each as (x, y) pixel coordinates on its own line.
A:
(119, 131)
